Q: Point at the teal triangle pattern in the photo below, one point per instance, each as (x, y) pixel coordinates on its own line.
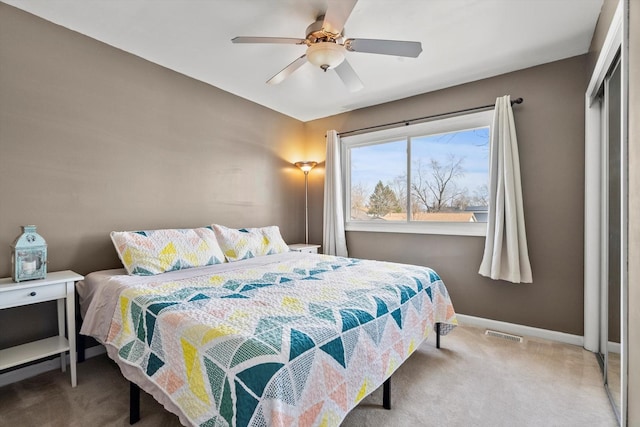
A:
(429, 292)
(199, 297)
(154, 364)
(157, 307)
(335, 349)
(397, 316)
(257, 377)
(300, 343)
(139, 271)
(150, 323)
(349, 321)
(406, 293)
(140, 330)
(226, 405)
(245, 405)
(382, 307)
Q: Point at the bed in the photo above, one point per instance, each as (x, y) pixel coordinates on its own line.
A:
(277, 340)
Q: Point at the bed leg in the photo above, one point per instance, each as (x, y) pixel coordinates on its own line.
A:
(80, 344)
(386, 394)
(438, 335)
(134, 403)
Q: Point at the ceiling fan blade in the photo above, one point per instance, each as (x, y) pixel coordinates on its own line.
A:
(384, 47)
(288, 70)
(349, 76)
(277, 40)
(337, 14)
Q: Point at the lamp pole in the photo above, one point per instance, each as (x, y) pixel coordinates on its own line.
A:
(306, 207)
(306, 167)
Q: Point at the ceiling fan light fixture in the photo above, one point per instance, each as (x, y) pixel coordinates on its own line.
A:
(326, 55)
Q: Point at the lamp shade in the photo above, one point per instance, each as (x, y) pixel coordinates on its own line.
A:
(325, 55)
(306, 166)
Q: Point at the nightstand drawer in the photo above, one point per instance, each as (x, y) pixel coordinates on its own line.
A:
(305, 248)
(308, 250)
(32, 295)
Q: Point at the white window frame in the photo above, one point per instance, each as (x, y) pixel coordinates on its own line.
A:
(434, 127)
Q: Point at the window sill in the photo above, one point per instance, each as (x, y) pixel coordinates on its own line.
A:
(441, 228)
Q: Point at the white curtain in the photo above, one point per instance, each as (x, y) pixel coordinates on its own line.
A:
(334, 241)
(505, 251)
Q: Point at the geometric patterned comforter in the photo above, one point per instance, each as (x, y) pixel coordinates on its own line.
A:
(298, 342)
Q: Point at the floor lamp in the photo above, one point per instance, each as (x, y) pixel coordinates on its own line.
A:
(306, 167)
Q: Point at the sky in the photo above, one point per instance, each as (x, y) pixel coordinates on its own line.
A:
(372, 163)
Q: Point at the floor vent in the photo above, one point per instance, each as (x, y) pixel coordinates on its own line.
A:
(508, 337)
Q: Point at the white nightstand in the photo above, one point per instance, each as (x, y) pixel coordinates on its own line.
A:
(301, 247)
(58, 286)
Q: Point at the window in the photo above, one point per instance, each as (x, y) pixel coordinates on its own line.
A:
(426, 178)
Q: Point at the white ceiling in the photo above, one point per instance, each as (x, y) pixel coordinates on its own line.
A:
(462, 41)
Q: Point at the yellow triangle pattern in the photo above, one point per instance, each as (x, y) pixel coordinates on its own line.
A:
(392, 366)
(330, 419)
(194, 372)
(192, 257)
(220, 331)
(124, 308)
(127, 257)
(217, 280)
(167, 255)
(293, 304)
(363, 391)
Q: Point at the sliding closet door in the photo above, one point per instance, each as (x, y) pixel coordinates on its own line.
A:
(614, 231)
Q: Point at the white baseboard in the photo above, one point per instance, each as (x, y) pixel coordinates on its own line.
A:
(515, 329)
(29, 371)
(614, 347)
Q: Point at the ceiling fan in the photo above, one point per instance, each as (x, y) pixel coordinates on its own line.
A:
(327, 47)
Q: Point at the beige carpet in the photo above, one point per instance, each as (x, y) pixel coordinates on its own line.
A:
(473, 380)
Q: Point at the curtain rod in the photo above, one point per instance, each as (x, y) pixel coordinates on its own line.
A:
(408, 122)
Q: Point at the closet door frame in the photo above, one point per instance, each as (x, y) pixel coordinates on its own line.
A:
(616, 43)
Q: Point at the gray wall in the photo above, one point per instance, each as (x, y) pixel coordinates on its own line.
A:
(550, 126)
(93, 139)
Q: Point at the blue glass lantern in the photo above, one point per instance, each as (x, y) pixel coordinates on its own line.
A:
(28, 255)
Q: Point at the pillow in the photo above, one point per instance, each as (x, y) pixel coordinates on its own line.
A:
(150, 252)
(249, 242)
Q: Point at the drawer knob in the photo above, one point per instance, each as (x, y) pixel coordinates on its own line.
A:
(33, 293)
